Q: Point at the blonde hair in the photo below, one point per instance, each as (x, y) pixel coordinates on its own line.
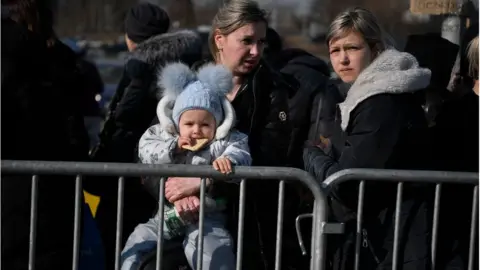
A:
(362, 21)
(472, 55)
(233, 15)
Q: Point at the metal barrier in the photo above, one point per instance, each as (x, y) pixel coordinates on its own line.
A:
(402, 176)
(122, 170)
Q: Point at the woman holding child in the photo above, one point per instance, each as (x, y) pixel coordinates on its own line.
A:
(260, 103)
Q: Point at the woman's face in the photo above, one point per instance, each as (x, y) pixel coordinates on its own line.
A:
(349, 55)
(242, 49)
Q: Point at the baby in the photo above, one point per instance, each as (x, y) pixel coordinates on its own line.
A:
(201, 120)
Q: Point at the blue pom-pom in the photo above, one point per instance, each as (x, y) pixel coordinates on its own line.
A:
(174, 78)
(216, 78)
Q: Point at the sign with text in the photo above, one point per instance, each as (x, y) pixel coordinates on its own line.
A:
(435, 7)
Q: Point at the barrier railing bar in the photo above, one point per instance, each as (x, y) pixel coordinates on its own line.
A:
(299, 232)
(0, 223)
(33, 223)
(436, 214)
(319, 238)
(473, 224)
(201, 223)
(361, 196)
(396, 232)
(401, 176)
(76, 220)
(241, 217)
(314, 236)
(278, 245)
(118, 235)
(437, 177)
(161, 208)
(167, 170)
(123, 169)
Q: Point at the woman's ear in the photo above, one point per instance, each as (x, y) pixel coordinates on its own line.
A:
(219, 40)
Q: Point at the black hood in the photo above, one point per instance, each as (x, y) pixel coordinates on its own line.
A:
(298, 57)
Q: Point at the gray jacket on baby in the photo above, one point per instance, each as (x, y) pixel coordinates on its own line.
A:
(157, 146)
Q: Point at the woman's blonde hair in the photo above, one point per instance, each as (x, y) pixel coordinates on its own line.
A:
(472, 55)
(233, 15)
(362, 21)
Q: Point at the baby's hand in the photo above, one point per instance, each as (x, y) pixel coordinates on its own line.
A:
(183, 141)
(223, 165)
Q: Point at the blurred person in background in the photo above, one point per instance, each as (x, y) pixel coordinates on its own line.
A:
(40, 121)
(473, 62)
(456, 141)
(131, 113)
(142, 22)
(426, 48)
(460, 81)
(68, 81)
(91, 86)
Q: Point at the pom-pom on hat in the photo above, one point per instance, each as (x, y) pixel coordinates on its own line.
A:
(184, 90)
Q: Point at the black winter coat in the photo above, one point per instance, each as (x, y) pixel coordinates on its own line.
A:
(41, 120)
(379, 125)
(91, 86)
(456, 138)
(307, 76)
(262, 112)
(262, 109)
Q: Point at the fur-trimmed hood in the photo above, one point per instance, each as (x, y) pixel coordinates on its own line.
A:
(184, 46)
(392, 72)
(150, 56)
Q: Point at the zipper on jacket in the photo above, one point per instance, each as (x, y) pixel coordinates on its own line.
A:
(254, 85)
(366, 244)
(260, 240)
(364, 238)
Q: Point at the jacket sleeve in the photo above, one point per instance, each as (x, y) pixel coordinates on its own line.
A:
(372, 135)
(322, 118)
(237, 150)
(137, 94)
(156, 146)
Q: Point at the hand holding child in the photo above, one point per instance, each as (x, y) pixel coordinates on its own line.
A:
(177, 188)
(188, 208)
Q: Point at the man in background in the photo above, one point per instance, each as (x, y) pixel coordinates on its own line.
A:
(118, 136)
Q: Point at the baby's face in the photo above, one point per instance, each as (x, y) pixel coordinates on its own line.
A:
(197, 124)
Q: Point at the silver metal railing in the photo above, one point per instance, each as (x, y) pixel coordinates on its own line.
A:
(38, 168)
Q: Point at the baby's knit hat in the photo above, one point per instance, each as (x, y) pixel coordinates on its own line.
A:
(184, 90)
(197, 97)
